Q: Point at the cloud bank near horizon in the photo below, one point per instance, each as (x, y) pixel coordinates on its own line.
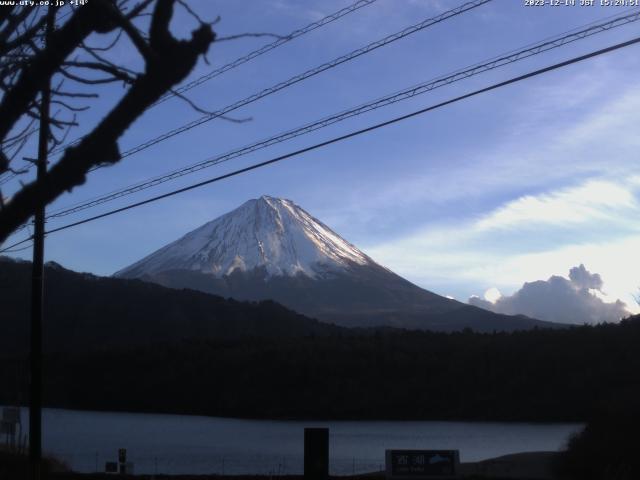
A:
(576, 300)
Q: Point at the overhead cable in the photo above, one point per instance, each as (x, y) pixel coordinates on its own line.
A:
(316, 146)
(405, 94)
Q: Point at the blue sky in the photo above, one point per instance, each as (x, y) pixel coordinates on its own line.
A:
(512, 186)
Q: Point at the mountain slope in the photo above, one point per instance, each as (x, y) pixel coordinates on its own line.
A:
(270, 248)
(271, 234)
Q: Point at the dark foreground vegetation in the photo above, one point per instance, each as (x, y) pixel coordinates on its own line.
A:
(14, 465)
(607, 448)
(540, 375)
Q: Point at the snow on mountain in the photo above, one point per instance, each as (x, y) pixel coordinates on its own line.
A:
(271, 249)
(270, 233)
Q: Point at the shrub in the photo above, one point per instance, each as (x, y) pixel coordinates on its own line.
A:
(605, 450)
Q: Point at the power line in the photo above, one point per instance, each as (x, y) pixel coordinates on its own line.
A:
(304, 75)
(9, 175)
(16, 250)
(346, 136)
(267, 48)
(231, 65)
(461, 74)
(531, 49)
(250, 56)
(11, 248)
(324, 21)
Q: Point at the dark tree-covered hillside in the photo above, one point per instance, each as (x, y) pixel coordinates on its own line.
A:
(554, 375)
(86, 312)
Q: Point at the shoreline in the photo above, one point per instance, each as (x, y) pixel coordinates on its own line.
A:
(311, 419)
(517, 466)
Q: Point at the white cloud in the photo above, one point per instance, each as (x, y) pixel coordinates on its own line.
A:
(576, 300)
(617, 261)
(534, 236)
(556, 185)
(555, 132)
(580, 209)
(594, 200)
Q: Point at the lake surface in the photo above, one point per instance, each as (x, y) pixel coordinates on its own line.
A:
(189, 444)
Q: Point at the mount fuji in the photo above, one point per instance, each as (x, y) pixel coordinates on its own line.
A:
(270, 248)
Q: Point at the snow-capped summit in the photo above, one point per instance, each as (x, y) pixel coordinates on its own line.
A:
(270, 233)
(271, 249)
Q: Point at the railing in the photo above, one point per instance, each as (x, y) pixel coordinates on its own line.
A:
(202, 463)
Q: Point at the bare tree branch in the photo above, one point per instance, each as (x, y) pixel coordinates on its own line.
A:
(168, 61)
(13, 22)
(5, 13)
(198, 109)
(115, 72)
(69, 107)
(107, 47)
(88, 81)
(191, 12)
(23, 37)
(45, 63)
(132, 32)
(91, 51)
(60, 93)
(138, 9)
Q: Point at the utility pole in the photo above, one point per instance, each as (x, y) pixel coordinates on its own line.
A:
(37, 282)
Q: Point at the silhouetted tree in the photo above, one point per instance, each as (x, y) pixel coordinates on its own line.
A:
(70, 63)
(606, 448)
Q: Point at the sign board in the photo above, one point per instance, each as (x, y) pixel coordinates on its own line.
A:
(11, 414)
(111, 467)
(422, 464)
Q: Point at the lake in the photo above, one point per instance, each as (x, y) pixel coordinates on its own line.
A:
(177, 444)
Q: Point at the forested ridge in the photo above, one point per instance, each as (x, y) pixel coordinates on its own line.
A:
(85, 312)
(540, 375)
